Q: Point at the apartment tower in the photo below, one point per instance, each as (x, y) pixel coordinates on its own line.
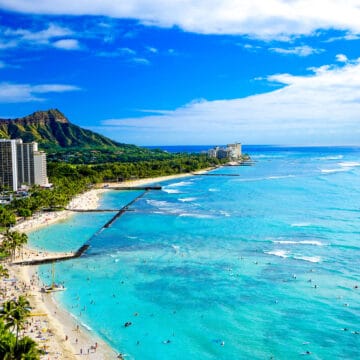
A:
(21, 164)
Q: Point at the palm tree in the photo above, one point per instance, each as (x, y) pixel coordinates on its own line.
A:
(26, 349)
(14, 240)
(9, 242)
(21, 240)
(4, 272)
(7, 342)
(15, 313)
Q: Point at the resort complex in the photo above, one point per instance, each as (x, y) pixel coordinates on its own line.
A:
(231, 151)
(21, 164)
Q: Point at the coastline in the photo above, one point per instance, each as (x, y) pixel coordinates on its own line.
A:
(147, 181)
(66, 338)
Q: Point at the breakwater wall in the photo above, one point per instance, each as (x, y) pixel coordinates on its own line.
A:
(51, 259)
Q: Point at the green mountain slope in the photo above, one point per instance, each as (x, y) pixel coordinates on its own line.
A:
(51, 129)
(64, 141)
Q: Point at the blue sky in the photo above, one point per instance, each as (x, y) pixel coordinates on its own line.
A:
(178, 72)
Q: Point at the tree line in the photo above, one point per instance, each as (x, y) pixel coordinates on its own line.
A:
(71, 179)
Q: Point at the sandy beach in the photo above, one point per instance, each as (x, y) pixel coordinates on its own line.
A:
(147, 181)
(51, 326)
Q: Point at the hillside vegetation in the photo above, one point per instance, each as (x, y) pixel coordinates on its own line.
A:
(51, 129)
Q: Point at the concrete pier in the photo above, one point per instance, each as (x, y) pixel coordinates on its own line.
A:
(123, 210)
(144, 188)
(93, 210)
(51, 259)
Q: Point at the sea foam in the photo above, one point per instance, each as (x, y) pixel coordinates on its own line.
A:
(334, 157)
(188, 199)
(302, 242)
(194, 215)
(181, 183)
(313, 259)
(171, 191)
(347, 164)
(329, 171)
(344, 166)
(275, 177)
(280, 253)
(301, 224)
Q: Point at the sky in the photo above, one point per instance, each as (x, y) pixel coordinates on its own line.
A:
(187, 72)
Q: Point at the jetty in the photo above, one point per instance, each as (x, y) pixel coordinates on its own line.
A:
(92, 210)
(123, 210)
(53, 258)
(143, 188)
(50, 258)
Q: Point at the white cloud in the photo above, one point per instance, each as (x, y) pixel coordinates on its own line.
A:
(303, 50)
(37, 37)
(40, 36)
(8, 44)
(250, 47)
(50, 36)
(348, 36)
(20, 93)
(121, 52)
(141, 61)
(152, 49)
(127, 51)
(341, 58)
(322, 108)
(67, 44)
(258, 18)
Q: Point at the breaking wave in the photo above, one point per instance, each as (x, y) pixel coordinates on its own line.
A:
(303, 242)
(313, 259)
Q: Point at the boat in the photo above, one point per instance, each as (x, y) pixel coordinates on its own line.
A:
(53, 287)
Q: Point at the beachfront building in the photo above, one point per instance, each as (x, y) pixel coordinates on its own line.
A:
(234, 151)
(8, 165)
(21, 164)
(231, 151)
(25, 162)
(40, 169)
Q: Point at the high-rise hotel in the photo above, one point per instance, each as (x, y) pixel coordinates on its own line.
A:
(21, 164)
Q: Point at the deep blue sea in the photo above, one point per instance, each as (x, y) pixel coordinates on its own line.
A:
(261, 265)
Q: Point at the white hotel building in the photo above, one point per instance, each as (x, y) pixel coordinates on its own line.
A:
(21, 164)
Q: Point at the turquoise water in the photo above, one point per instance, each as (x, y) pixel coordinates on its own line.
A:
(260, 265)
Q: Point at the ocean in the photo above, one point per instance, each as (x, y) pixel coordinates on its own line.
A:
(262, 264)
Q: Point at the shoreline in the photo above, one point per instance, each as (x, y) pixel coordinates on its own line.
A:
(147, 181)
(66, 337)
